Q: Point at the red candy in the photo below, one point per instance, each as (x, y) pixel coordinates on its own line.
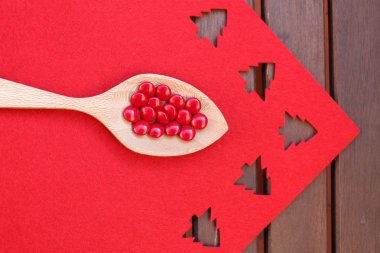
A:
(184, 117)
(199, 121)
(187, 133)
(173, 128)
(170, 111)
(147, 88)
(162, 117)
(177, 101)
(155, 103)
(131, 114)
(193, 105)
(156, 130)
(139, 99)
(163, 92)
(141, 127)
(148, 113)
(155, 111)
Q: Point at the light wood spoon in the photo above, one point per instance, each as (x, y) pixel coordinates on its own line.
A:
(108, 108)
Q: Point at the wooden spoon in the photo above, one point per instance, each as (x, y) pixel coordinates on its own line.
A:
(108, 109)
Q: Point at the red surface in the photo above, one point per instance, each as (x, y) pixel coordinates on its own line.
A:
(67, 185)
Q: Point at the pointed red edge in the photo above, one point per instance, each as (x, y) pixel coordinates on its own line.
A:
(120, 200)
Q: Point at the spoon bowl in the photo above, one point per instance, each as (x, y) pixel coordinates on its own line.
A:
(108, 108)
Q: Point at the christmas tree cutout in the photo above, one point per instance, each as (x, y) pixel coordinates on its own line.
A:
(258, 78)
(255, 178)
(204, 230)
(211, 25)
(296, 130)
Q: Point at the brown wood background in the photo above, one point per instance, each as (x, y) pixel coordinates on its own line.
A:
(338, 41)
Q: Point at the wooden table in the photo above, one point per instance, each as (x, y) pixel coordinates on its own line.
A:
(338, 41)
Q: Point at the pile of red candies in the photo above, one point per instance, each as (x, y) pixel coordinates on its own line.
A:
(154, 110)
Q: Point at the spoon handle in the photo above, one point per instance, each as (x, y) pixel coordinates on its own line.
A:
(16, 95)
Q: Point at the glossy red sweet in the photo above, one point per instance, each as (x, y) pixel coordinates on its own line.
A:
(177, 101)
(139, 99)
(170, 111)
(193, 105)
(173, 128)
(163, 92)
(156, 130)
(184, 117)
(155, 103)
(141, 127)
(131, 114)
(187, 133)
(148, 113)
(199, 121)
(162, 117)
(147, 88)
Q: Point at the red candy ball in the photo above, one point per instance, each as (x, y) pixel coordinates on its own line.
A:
(170, 111)
(139, 99)
(131, 114)
(173, 128)
(199, 121)
(155, 103)
(156, 130)
(193, 105)
(147, 88)
(162, 117)
(187, 133)
(148, 113)
(141, 127)
(163, 92)
(184, 117)
(177, 101)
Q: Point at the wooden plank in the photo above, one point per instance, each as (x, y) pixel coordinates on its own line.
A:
(356, 81)
(302, 227)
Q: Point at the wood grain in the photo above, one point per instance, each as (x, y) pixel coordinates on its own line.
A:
(356, 76)
(302, 227)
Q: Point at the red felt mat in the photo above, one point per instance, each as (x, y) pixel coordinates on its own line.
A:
(67, 185)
